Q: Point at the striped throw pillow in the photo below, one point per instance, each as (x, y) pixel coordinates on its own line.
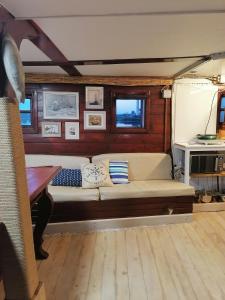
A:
(118, 171)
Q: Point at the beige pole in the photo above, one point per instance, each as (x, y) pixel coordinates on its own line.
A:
(18, 261)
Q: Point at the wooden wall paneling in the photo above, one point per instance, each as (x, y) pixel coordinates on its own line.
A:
(96, 142)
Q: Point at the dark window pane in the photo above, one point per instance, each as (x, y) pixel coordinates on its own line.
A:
(26, 105)
(25, 119)
(129, 113)
(222, 102)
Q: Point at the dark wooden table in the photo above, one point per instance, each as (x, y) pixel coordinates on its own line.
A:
(38, 179)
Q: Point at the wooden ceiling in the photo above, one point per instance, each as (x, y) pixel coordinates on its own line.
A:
(93, 35)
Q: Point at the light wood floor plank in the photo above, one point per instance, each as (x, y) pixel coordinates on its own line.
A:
(70, 265)
(46, 245)
(95, 281)
(201, 264)
(137, 288)
(180, 261)
(151, 276)
(202, 242)
(197, 284)
(82, 271)
(122, 283)
(162, 266)
(109, 268)
(59, 258)
(180, 278)
(46, 265)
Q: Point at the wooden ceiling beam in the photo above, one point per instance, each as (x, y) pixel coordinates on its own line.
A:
(98, 80)
(28, 29)
(43, 42)
(114, 61)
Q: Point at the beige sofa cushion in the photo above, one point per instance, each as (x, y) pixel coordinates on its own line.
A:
(142, 166)
(67, 193)
(144, 189)
(65, 161)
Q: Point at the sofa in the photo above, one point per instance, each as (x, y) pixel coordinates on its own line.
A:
(150, 191)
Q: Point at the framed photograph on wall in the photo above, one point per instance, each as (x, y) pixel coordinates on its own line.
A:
(61, 105)
(51, 129)
(94, 97)
(72, 130)
(94, 120)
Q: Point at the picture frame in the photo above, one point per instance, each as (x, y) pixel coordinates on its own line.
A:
(94, 97)
(94, 120)
(51, 129)
(72, 130)
(61, 105)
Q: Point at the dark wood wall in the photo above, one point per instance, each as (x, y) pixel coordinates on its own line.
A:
(156, 139)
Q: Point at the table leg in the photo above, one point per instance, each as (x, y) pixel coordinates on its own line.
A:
(187, 166)
(45, 208)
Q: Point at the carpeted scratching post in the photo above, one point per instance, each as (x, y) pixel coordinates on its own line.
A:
(18, 260)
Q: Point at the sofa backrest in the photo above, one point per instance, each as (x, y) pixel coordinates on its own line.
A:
(142, 166)
(73, 162)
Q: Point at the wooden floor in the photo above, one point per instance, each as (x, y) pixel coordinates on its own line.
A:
(182, 261)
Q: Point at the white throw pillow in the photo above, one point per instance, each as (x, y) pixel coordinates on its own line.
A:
(96, 174)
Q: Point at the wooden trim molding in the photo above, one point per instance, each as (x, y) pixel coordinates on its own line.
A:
(41, 78)
(115, 224)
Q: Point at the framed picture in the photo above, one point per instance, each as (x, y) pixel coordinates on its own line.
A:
(72, 131)
(51, 129)
(94, 97)
(61, 105)
(95, 120)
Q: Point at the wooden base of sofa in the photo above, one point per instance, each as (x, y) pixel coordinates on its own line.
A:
(121, 208)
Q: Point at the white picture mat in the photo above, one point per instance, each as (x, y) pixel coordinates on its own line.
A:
(61, 105)
(94, 97)
(72, 130)
(89, 116)
(51, 129)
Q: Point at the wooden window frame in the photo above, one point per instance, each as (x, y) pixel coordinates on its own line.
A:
(141, 94)
(220, 125)
(33, 128)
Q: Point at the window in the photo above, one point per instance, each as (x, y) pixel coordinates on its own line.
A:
(221, 110)
(28, 113)
(25, 112)
(130, 111)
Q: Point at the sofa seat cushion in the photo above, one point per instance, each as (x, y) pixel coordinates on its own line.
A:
(68, 193)
(145, 189)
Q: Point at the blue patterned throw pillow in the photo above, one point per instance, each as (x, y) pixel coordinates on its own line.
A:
(68, 177)
(118, 171)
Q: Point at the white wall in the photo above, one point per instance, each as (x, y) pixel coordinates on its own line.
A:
(191, 102)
